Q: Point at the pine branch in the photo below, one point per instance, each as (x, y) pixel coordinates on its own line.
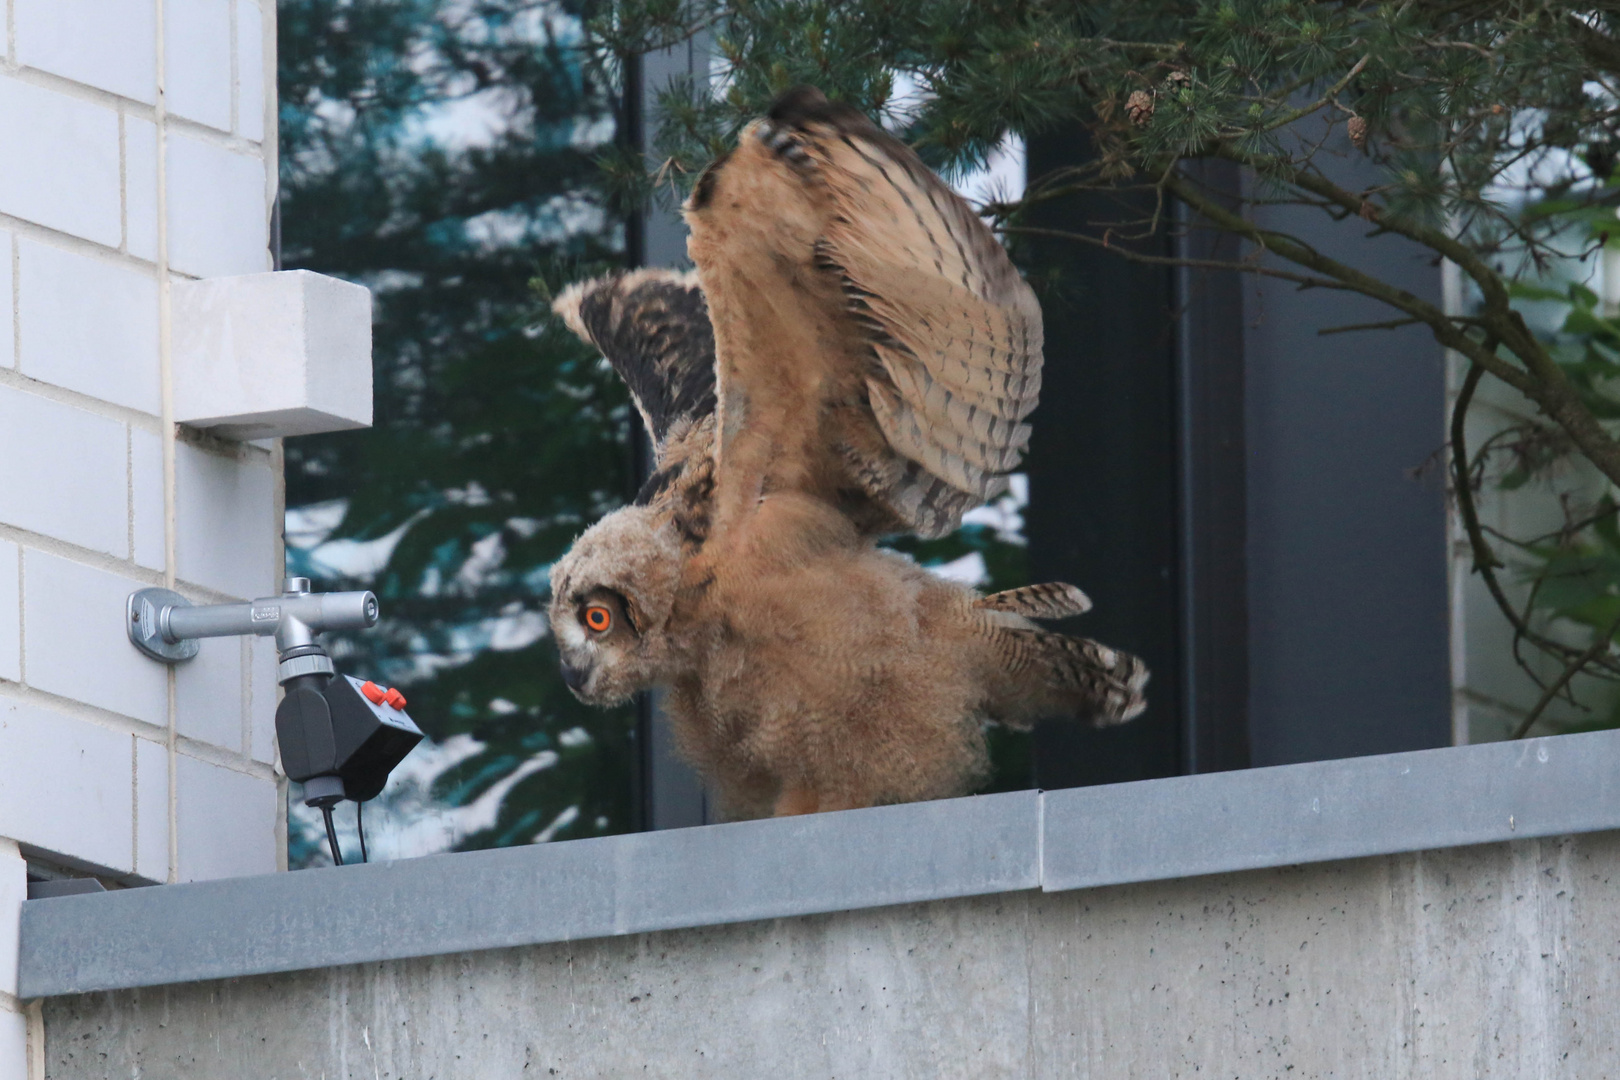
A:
(1601, 643)
(1486, 562)
(1329, 95)
(1131, 255)
(1541, 379)
(1350, 328)
(1301, 253)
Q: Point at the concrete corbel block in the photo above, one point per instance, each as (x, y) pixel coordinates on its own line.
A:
(265, 355)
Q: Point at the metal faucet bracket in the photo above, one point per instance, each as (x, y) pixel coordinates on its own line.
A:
(165, 625)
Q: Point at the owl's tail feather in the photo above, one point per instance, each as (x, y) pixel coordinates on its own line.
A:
(1045, 674)
(1051, 600)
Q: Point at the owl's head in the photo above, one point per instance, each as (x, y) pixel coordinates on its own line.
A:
(611, 597)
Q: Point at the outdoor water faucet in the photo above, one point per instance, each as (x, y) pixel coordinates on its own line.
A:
(166, 626)
(338, 736)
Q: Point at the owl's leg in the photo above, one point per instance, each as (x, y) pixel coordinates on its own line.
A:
(797, 800)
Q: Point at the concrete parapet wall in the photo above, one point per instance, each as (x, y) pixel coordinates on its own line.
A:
(1443, 913)
(1500, 960)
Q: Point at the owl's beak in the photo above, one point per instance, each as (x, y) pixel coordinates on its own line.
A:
(575, 678)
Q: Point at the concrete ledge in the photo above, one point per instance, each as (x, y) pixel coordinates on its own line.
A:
(520, 896)
(722, 874)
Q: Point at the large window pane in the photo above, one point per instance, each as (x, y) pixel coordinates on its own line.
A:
(443, 154)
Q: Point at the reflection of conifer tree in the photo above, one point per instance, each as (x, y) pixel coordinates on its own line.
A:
(441, 153)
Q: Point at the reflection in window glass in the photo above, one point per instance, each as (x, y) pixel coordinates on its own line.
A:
(441, 153)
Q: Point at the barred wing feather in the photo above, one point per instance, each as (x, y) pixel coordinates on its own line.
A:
(653, 327)
(955, 332)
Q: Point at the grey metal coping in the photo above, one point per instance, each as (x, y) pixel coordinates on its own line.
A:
(1145, 831)
(517, 896)
(1290, 814)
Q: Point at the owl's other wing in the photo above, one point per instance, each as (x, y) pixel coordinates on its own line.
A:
(929, 340)
(653, 328)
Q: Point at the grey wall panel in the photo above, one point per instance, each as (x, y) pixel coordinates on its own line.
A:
(1212, 485)
(1348, 629)
(1102, 467)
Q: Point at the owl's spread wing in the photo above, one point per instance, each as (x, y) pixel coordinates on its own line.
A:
(653, 328)
(930, 341)
(955, 328)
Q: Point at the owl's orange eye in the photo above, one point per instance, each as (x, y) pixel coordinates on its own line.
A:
(598, 618)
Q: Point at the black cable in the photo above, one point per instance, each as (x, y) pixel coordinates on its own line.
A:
(360, 824)
(331, 836)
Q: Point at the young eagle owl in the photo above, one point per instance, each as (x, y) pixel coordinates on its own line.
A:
(855, 356)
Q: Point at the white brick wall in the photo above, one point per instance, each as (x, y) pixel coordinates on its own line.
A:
(69, 472)
(8, 328)
(227, 526)
(197, 42)
(109, 762)
(140, 188)
(227, 822)
(250, 62)
(89, 325)
(13, 1026)
(110, 46)
(263, 693)
(73, 650)
(146, 498)
(10, 611)
(13, 883)
(66, 785)
(152, 805)
(13, 1044)
(218, 217)
(62, 162)
(208, 694)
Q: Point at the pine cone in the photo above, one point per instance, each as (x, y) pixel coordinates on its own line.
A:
(1139, 107)
(1357, 127)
